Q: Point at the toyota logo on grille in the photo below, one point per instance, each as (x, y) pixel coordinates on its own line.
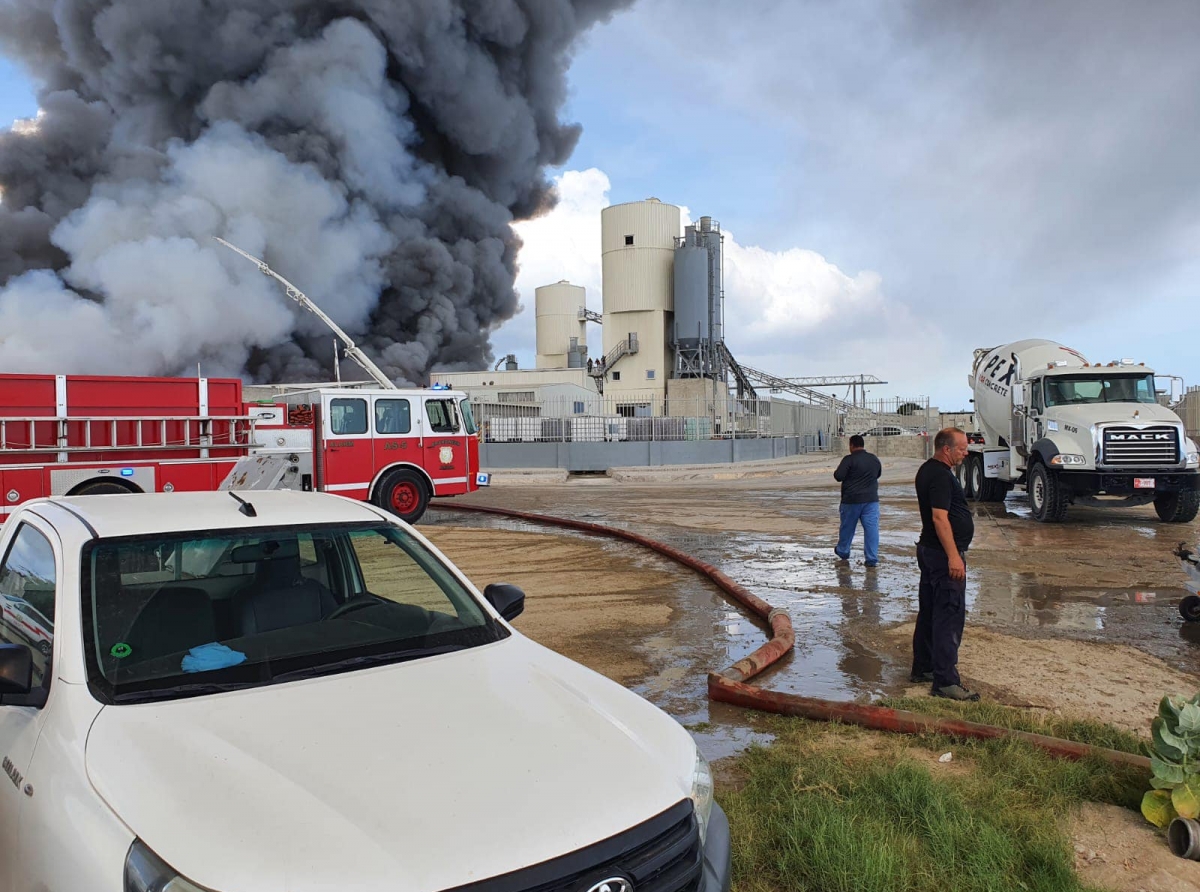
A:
(612, 884)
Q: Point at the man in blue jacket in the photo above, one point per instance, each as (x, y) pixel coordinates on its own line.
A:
(859, 474)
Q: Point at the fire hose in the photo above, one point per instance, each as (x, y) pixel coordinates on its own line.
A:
(730, 685)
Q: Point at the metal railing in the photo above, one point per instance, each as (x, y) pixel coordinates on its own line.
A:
(635, 417)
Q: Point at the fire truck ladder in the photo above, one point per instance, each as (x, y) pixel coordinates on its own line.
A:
(305, 301)
(49, 435)
(599, 370)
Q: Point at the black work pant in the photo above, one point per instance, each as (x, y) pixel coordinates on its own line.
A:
(941, 613)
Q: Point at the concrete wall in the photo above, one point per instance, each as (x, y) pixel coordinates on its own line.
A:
(1189, 411)
(888, 447)
(602, 456)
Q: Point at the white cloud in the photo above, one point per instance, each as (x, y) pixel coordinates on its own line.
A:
(564, 244)
(790, 294)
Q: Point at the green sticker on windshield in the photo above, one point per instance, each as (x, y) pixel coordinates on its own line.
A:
(120, 650)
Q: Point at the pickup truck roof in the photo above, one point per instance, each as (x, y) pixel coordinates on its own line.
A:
(143, 513)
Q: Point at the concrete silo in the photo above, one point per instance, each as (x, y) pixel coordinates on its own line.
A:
(638, 259)
(561, 328)
(699, 302)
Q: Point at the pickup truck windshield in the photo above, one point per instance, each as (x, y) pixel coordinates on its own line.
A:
(184, 614)
(1074, 390)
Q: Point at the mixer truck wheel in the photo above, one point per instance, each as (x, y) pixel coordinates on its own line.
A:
(1189, 608)
(1047, 498)
(1178, 507)
(973, 489)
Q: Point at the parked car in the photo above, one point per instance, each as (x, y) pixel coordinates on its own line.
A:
(299, 692)
(889, 430)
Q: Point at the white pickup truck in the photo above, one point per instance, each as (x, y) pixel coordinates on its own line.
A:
(300, 693)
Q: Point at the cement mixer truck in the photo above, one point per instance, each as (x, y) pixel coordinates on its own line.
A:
(1073, 432)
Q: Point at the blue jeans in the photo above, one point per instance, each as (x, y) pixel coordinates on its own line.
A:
(867, 514)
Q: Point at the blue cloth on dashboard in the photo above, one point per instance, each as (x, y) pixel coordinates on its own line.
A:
(207, 657)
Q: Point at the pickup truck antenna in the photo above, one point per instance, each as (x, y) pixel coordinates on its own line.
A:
(305, 301)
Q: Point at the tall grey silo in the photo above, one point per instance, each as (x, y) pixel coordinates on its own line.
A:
(699, 302)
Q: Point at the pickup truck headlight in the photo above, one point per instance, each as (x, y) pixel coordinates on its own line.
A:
(702, 793)
(146, 872)
(1067, 459)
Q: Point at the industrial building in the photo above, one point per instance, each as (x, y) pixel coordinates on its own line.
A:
(662, 324)
(663, 371)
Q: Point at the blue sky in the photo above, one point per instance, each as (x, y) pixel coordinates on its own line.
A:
(16, 94)
(901, 182)
(1020, 170)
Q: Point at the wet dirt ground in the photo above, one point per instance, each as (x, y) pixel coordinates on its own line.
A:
(1078, 618)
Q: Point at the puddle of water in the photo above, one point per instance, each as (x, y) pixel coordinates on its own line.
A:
(827, 599)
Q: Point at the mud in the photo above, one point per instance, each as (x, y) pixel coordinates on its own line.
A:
(1051, 598)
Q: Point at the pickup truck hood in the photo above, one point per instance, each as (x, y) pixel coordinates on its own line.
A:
(419, 776)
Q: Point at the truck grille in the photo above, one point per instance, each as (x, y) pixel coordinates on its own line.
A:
(661, 855)
(1155, 446)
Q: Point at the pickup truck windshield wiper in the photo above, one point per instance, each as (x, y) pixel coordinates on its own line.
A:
(361, 662)
(182, 690)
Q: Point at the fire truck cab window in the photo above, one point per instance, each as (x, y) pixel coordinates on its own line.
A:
(468, 418)
(347, 416)
(443, 419)
(392, 417)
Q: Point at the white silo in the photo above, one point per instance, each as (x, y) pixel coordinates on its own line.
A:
(559, 321)
(638, 257)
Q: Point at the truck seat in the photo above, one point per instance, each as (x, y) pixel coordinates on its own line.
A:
(280, 595)
(174, 620)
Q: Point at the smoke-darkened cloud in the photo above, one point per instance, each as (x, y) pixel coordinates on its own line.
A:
(376, 153)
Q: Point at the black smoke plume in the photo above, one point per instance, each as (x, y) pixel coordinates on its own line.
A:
(375, 152)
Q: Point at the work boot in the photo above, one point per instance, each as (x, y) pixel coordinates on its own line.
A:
(921, 677)
(954, 692)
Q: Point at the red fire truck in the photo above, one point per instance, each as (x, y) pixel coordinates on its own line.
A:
(73, 435)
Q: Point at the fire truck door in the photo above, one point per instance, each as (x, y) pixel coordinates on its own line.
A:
(397, 438)
(347, 445)
(445, 447)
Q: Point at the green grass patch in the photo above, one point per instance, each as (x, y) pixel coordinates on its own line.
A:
(828, 807)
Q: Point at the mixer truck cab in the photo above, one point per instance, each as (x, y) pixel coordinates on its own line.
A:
(1073, 432)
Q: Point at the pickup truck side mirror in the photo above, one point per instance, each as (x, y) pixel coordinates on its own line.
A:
(508, 600)
(16, 669)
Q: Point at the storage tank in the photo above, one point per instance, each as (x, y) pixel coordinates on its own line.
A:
(998, 369)
(637, 242)
(559, 323)
(697, 286)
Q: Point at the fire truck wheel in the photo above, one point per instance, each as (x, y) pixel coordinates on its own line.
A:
(403, 493)
(99, 488)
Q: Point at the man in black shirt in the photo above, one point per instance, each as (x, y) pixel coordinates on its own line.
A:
(946, 531)
(859, 475)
